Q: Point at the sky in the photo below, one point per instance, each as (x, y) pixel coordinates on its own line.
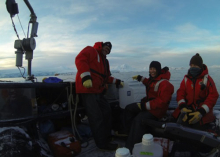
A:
(168, 31)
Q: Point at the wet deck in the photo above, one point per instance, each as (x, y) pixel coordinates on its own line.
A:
(93, 151)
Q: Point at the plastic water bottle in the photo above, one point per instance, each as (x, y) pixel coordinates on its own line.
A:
(126, 95)
(147, 148)
(122, 152)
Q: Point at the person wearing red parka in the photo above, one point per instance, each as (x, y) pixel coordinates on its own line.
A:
(92, 78)
(196, 96)
(152, 107)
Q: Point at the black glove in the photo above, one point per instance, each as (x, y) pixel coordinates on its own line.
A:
(143, 106)
(118, 83)
(183, 105)
(137, 77)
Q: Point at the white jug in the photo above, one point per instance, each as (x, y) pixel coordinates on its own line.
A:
(147, 148)
(122, 152)
(126, 95)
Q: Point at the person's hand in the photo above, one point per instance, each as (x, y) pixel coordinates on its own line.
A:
(87, 83)
(135, 77)
(122, 83)
(119, 83)
(185, 110)
(139, 105)
(196, 117)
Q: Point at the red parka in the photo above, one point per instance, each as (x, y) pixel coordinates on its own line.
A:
(199, 94)
(158, 94)
(92, 64)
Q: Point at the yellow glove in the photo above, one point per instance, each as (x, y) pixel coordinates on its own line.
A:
(122, 83)
(185, 110)
(87, 83)
(139, 105)
(135, 77)
(196, 117)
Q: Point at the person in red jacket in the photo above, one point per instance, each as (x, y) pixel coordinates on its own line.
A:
(196, 96)
(154, 106)
(91, 79)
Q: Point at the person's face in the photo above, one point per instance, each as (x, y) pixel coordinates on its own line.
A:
(195, 66)
(105, 50)
(153, 72)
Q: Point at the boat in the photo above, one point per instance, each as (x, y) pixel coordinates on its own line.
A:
(46, 119)
(55, 109)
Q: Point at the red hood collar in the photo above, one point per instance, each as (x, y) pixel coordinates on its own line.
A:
(165, 74)
(98, 46)
(204, 72)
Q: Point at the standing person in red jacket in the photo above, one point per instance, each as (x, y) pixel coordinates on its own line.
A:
(154, 106)
(196, 96)
(91, 79)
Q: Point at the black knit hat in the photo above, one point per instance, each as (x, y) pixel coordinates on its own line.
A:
(107, 44)
(156, 65)
(196, 60)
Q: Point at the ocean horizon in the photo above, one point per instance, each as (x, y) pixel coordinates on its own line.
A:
(177, 76)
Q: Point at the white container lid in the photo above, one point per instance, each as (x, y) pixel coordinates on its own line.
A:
(147, 139)
(122, 152)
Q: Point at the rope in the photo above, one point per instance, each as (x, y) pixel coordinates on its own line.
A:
(17, 34)
(19, 38)
(21, 25)
(69, 106)
(71, 101)
(23, 72)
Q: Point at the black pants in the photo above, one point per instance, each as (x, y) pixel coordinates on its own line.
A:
(133, 117)
(99, 115)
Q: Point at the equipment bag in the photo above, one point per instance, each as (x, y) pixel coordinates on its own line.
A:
(63, 144)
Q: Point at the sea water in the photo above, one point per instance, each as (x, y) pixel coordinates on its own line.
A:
(138, 88)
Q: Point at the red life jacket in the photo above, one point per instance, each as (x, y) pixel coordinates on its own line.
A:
(201, 93)
(158, 94)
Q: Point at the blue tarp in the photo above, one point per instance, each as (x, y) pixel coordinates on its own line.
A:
(52, 80)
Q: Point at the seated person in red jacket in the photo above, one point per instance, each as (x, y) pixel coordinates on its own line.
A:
(196, 96)
(154, 106)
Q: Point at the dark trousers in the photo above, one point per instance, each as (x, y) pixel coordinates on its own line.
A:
(99, 115)
(133, 117)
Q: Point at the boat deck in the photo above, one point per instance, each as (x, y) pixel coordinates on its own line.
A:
(93, 151)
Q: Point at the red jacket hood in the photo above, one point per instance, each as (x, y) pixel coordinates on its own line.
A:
(165, 74)
(98, 46)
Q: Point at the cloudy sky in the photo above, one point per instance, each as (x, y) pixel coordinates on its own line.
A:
(170, 31)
